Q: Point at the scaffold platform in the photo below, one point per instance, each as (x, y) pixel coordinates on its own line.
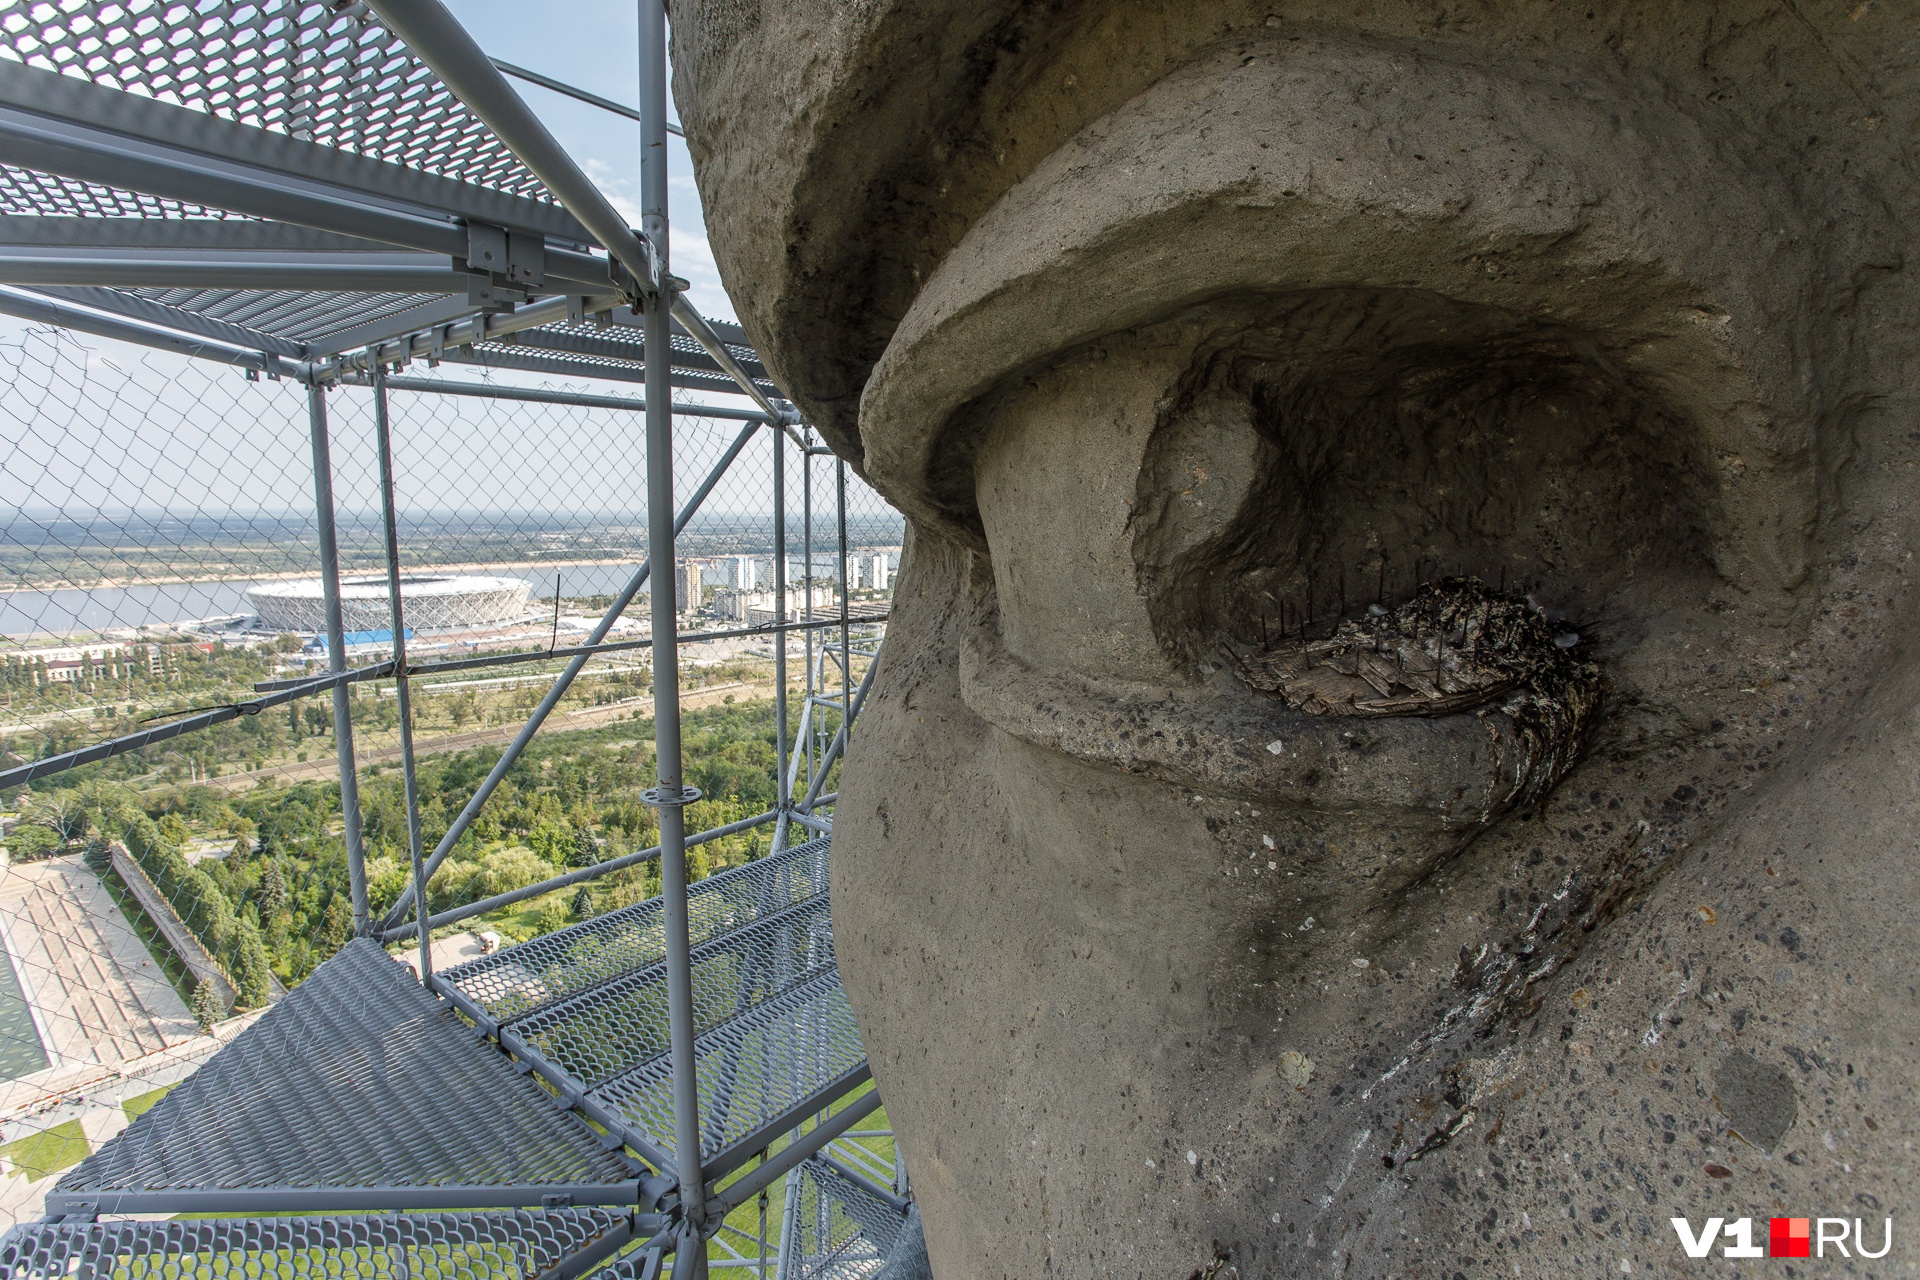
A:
(477, 1107)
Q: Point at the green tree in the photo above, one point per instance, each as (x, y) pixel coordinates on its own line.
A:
(30, 842)
(251, 973)
(551, 840)
(70, 816)
(207, 1008)
(582, 904)
(553, 916)
(273, 891)
(319, 719)
(336, 926)
(586, 850)
(205, 909)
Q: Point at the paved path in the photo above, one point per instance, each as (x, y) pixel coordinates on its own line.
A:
(447, 952)
(112, 1025)
(99, 997)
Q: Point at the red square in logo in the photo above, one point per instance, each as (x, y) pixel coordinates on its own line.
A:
(1789, 1237)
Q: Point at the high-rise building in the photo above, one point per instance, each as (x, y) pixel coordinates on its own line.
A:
(826, 568)
(686, 586)
(825, 600)
(737, 572)
(732, 602)
(879, 572)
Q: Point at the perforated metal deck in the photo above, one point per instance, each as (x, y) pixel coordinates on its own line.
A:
(316, 71)
(760, 1073)
(613, 1028)
(520, 980)
(359, 1078)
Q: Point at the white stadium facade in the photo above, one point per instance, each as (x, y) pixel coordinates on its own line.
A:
(433, 603)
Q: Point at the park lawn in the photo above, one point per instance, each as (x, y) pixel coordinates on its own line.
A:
(137, 1107)
(49, 1151)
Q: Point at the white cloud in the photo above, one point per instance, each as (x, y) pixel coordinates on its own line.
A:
(693, 262)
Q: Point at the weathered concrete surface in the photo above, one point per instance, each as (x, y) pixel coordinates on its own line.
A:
(1179, 330)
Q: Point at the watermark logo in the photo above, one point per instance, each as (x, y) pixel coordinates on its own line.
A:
(1786, 1238)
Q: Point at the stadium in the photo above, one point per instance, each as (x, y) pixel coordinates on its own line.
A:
(433, 603)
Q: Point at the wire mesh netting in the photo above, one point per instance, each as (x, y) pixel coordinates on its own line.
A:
(160, 552)
(439, 1246)
(806, 1223)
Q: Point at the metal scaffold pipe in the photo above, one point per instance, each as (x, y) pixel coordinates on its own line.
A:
(780, 638)
(846, 632)
(30, 306)
(444, 45)
(402, 686)
(839, 743)
(533, 395)
(670, 793)
(337, 655)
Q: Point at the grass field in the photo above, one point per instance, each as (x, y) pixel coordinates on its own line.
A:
(50, 1151)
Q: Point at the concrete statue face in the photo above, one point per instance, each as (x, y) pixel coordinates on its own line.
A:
(1395, 749)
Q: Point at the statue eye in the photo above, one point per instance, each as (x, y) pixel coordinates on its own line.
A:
(1369, 445)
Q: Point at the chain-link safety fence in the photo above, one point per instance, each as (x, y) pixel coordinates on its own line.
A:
(163, 565)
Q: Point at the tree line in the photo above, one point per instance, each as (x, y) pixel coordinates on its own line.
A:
(270, 892)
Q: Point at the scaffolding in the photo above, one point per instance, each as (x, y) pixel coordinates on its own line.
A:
(322, 195)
